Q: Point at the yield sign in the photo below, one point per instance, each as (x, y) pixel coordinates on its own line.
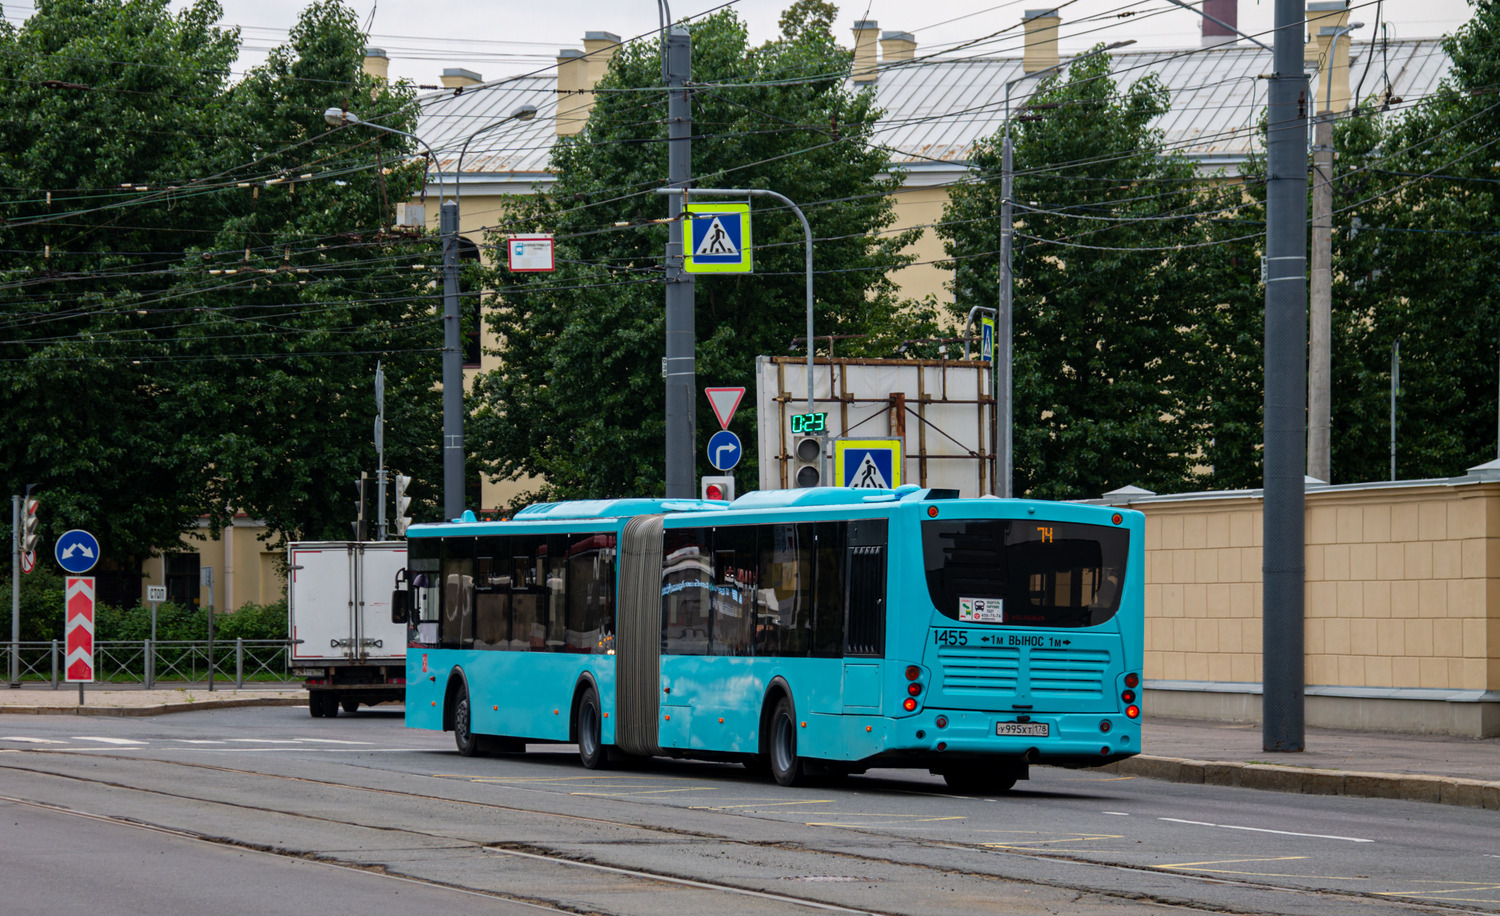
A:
(724, 401)
(79, 629)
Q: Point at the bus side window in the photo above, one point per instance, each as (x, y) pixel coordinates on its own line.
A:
(828, 588)
(783, 606)
(553, 562)
(734, 590)
(492, 594)
(456, 628)
(590, 624)
(686, 581)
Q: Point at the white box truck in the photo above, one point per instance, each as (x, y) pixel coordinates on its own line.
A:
(339, 616)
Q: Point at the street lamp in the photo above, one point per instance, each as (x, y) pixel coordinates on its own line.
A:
(453, 367)
(1004, 384)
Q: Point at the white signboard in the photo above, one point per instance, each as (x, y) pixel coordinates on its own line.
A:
(529, 252)
(156, 593)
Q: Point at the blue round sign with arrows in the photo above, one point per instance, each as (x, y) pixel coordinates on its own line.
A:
(77, 551)
(724, 450)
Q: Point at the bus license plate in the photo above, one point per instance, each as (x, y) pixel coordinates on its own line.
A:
(1025, 729)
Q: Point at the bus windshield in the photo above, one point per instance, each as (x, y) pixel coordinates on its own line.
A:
(1024, 573)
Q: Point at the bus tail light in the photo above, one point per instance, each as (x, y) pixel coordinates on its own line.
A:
(910, 705)
(913, 672)
(1132, 712)
(1128, 696)
(913, 688)
(1132, 680)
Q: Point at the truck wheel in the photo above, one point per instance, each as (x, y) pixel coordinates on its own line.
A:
(330, 705)
(786, 767)
(315, 703)
(350, 705)
(469, 744)
(591, 749)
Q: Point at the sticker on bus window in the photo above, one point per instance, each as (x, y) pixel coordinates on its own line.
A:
(981, 610)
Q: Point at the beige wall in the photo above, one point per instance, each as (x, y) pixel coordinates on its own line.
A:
(245, 570)
(1401, 588)
(1402, 600)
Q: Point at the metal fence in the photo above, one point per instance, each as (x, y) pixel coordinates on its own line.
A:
(147, 663)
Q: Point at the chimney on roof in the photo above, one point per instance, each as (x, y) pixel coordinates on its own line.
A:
(458, 78)
(897, 46)
(1040, 51)
(865, 60)
(377, 64)
(1226, 11)
(600, 47)
(1323, 19)
(578, 72)
(573, 98)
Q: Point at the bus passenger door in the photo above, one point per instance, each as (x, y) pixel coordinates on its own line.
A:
(864, 616)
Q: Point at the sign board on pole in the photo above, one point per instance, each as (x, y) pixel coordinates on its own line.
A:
(987, 339)
(76, 551)
(724, 401)
(529, 253)
(78, 631)
(724, 450)
(156, 593)
(867, 464)
(28, 561)
(718, 239)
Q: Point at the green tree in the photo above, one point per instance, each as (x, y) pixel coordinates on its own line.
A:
(1108, 336)
(1417, 235)
(579, 397)
(197, 279)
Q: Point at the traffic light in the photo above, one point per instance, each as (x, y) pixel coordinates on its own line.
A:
(807, 463)
(361, 527)
(403, 502)
(721, 488)
(28, 524)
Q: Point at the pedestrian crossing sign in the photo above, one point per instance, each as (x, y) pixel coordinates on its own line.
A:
(718, 239)
(867, 464)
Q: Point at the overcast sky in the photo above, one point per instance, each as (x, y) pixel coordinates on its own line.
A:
(504, 37)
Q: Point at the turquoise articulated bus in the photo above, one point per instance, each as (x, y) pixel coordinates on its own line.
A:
(814, 632)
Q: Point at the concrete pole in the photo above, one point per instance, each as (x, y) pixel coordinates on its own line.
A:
(1004, 370)
(681, 334)
(15, 591)
(1320, 364)
(1283, 570)
(453, 369)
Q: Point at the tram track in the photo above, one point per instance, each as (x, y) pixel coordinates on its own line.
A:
(1099, 886)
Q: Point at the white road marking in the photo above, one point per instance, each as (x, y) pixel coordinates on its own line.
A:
(31, 740)
(1115, 813)
(1315, 836)
(198, 740)
(332, 741)
(264, 740)
(120, 741)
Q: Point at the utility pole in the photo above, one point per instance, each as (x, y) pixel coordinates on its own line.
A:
(679, 366)
(1320, 365)
(1283, 572)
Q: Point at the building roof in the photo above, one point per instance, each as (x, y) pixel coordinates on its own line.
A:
(936, 109)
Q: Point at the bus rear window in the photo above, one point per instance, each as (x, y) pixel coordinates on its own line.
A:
(1024, 573)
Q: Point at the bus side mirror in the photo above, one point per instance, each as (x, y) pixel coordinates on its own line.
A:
(400, 609)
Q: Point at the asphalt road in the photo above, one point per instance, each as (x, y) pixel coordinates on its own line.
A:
(271, 810)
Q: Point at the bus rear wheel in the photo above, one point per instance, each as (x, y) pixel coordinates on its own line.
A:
(468, 743)
(786, 767)
(591, 750)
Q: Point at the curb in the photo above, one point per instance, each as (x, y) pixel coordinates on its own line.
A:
(1443, 790)
(160, 709)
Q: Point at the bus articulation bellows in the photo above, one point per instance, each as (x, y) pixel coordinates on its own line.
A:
(805, 632)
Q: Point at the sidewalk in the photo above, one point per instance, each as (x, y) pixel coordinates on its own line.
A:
(1431, 768)
(135, 700)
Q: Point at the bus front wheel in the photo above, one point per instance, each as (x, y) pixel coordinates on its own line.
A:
(786, 767)
(591, 749)
(464, 738)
